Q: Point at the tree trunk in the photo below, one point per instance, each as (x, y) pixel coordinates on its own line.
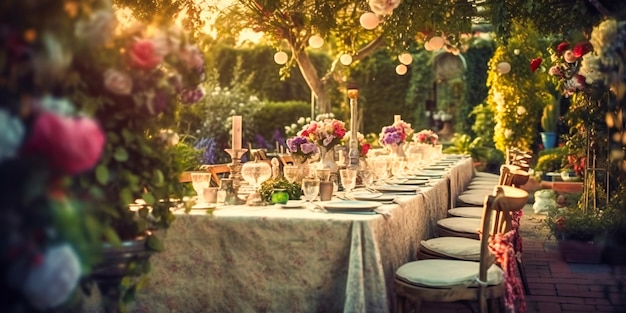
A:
(312, 79)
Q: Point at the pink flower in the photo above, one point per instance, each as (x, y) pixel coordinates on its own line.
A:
(534, 64)
(71, 145)
(191, 57)
(143, 54)
(569, 56)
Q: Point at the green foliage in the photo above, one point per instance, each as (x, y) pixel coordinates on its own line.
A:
(551, 160)
(575, 223)
(275, 115)
(464, 144)
(476, 57)
(268, 186)
(483, 123)
(549, 118)
(420, 88)
(517, 97)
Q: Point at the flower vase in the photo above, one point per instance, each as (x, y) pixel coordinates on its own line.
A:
(396, 151)
(327, 160)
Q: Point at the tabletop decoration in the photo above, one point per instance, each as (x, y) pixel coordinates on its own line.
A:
(394, 136)
(426, 136)
(268, 187)
(326, 133)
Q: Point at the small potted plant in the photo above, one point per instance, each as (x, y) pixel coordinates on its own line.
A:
(548, 124)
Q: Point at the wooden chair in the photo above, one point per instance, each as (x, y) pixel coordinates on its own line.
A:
(218, 171)
(439, 280)
(285, 159)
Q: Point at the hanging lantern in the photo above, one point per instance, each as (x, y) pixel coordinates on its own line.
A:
(345, 59)
(316, 41)
(405, 58)
(281, 57)
(369, 20)
(427, 46)
(401, 69)
(436, 43)
(503, 67)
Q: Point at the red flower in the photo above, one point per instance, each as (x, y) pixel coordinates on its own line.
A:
(143, 55)
(534, 64)
(71, 145)
(365, 148)
(582, 49)
(562, 47)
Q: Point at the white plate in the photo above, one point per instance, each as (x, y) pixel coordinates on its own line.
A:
(350, 205)
(396, 188)
(431, 174)
(371, 196)
(293, 204)
(413, 182)
(436, 168)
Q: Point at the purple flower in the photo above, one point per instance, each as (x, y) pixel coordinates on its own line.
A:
(189, 96)
(308, 148)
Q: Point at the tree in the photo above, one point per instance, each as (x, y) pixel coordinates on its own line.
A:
(292, 23)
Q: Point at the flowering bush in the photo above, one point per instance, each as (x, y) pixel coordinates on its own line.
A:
(326, 133)
(364, 146)
(566, 65)
(395, 134)
(301, 147)
(294, 128)
(426, 136)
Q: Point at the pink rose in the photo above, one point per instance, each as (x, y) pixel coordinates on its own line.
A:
(117, 82)
(569, 56)
(71, 145)
(582, 49)
(143, 54)
(534, 64)
(191, 57)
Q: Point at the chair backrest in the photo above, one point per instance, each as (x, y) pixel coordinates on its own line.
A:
(285, 159)
(218, 171)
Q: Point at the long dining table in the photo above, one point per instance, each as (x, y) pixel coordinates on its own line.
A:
(272, 259)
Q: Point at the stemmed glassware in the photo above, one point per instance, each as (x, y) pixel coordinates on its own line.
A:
(256, 173)
(310, 189)
(367, 177)
(200, 183)
(291, 173)
(348, 179)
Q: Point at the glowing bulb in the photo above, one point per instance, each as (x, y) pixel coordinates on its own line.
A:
(401, 69)
(345, 59)
(436, 43)
(369, 20)
(405, 58)
(316, 41)
(281, 57)
(503, 67)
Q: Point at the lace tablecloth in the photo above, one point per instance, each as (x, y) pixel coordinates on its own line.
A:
(269, 259)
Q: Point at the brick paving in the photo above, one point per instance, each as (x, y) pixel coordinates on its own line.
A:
(557, 286)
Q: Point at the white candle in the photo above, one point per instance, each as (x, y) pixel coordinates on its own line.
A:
(236, 140)
(397, 118)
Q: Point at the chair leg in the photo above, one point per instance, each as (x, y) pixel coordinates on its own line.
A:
(417, 306)
(522, 274)
(399, 304)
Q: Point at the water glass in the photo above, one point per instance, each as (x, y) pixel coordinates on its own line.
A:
(367, 177)
(200, 182)
(291, 172)
(323, 174)
(310, 189)
(348, 179)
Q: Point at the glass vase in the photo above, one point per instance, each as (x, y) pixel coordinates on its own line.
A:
(396, 151)
(327, 160)
(303, 167)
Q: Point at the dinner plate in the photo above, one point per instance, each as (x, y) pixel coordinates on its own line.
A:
(350, 205)
(413, 182)
(293, 204)
(396, 188)
(430, 174)
(371, 196)
(436, 168)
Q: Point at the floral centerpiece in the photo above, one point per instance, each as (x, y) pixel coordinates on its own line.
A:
(326, 133)
(363, 145)
(301, 148)
(426, 136)
(394, 136)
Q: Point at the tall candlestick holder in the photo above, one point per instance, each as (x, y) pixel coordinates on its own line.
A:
(353, 152)
(235, 173)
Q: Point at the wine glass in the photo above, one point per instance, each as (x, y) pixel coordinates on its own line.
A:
(256, 173)
(367, 177)
(323, 174)
(310, 188)
(292, 172)
(348, 179)
(200, 182)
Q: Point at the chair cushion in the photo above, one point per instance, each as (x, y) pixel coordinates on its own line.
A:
(456, 247)
(473, 199)
(446, 273)
(467, 211)
(461, 224)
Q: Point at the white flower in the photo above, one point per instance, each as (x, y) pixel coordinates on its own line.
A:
(590, 68)
(521, 110)
(300, 120)
(383, 7)
(169, 137)
(11, 135)
(118, 82)
(50, 283)
(508, 133)
(498, 98)
(99, 29)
